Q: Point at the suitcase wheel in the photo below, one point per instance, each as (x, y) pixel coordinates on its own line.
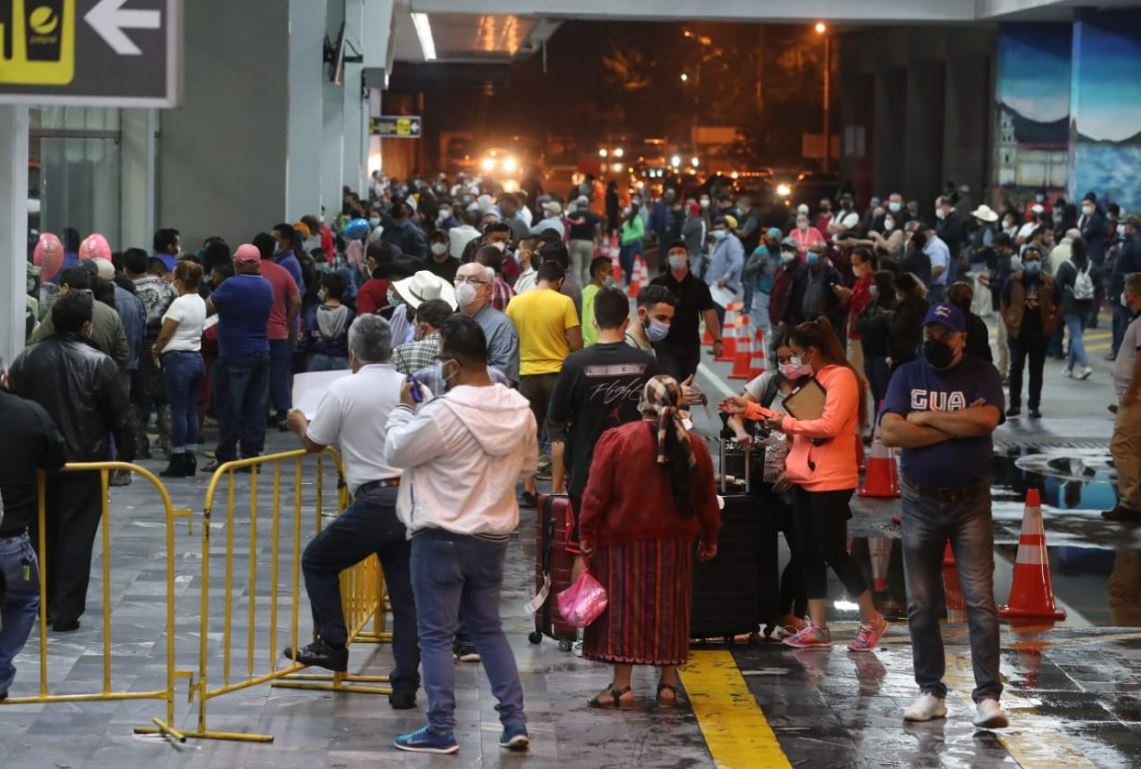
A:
(565, 645)
(535, 637)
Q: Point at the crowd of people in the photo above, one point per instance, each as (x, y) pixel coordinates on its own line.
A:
(490, 346)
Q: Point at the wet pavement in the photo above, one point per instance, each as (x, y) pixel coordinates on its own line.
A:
(1073, 690)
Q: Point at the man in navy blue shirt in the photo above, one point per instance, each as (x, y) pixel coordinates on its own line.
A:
(241, 381)
(941, 410)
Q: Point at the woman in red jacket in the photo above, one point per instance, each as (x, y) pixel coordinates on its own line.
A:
(822, 465)
(650, 494)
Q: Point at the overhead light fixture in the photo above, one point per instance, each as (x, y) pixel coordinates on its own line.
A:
(619, 152)
(695, 162)
(821, 28)
(603, 152)
(675, 160)
(684, 77)
(424, 32)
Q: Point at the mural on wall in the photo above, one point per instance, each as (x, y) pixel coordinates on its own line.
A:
(1105, 131)
(1032, 114)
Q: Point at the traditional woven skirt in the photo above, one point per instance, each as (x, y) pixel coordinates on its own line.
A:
(649, 585)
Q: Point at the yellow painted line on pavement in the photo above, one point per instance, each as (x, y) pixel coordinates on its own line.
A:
(1033, 740)
(735, 728)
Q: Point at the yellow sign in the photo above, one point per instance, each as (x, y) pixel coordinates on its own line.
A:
(37, 42)
(396, 127)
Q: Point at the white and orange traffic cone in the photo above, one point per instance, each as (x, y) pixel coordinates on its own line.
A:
(882, 477)
(1032, 592)
(879, 548)
(615, 263)
(636, 278)
(757, 365)
(743, 359)
(729, 335)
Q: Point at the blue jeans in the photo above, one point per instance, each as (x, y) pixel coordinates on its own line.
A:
(879, 375)
(281, 376)
(454, 573)
(182, 371)
(1075, 324)
(369, 525)
(626, 256)
(927, 525)
(321, 362)
(20, 588)
(241, 390)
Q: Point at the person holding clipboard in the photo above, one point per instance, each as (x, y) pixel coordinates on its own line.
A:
(825, 418)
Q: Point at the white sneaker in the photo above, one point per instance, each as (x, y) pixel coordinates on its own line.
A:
(577, 648)
(1085, 373)
(927, 707)
(989, 715)
(1067, 372)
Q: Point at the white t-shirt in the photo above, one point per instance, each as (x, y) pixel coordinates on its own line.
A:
(190, 312)
(353, 416)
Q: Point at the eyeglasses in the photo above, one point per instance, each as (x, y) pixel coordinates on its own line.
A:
(471, 279)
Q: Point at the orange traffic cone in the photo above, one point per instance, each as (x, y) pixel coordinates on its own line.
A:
(729, 335)
(880, 550)
(948, 555)
(615, 264)
(743, 359)
(882, 477)
(757, 362)
(636, 278)
(1032, 593)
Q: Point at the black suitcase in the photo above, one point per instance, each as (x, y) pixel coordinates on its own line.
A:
(738, 590)
(553, 562)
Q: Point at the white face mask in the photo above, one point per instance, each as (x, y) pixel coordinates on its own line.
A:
(439, 249)
(786, 257)
(501, 245)
(705, 202)
(466, 294)
(888, 225)
(1088, 210)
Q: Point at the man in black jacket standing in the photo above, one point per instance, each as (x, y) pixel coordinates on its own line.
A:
(79, 388)
(29, 442)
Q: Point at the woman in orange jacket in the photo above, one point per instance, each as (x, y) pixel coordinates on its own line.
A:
(823, 466)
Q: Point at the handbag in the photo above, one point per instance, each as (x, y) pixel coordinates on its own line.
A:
(584, 601)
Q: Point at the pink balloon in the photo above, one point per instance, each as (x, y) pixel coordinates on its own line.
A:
(48, 256)
(95, 247)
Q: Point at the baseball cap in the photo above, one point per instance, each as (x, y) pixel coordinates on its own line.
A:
(948, 315)
(247, 254)
(730, 220)
(789, 243)
(774, 233)
(582, 200)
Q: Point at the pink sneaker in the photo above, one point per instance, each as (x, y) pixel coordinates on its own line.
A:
(869, 635)
(810, 637)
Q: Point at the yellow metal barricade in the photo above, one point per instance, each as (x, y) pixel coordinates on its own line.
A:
(108, 692)
(275, 668)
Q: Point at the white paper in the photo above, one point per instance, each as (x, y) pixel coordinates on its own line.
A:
(537, 602)
(310, 388)
(723, 296)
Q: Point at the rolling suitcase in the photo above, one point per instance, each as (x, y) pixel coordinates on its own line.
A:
(553, 566)
(737, 590)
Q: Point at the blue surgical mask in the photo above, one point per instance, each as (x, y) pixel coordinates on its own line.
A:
(1034, 267)
(894, 207)
(657, 331)
(678, 262)
(874, 291)
(720, 235)
(374, 222)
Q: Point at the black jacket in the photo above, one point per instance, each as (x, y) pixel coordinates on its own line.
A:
(907, 331)
(28, 442)
(80, 389)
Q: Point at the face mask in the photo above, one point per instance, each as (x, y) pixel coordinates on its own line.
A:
(466, 294)
(374, 222)
(1087, 210)
(636, 201)
(720, 235)
(447, 380)
(1040, 198)
(677, 262)
(812, 257)
(799, 367)
(445, 214)
(788, 371)
(1034, 267)
(501, 245)
(888, 225)
(874, 291)
(938, 353)
(1121, 231)
(786, 257)
(439, 249)
(940, 214)
(894, 207)
(394, 298)
(705, 202)
(656, 331)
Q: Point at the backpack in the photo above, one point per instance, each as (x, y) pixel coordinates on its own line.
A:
(1083, 285)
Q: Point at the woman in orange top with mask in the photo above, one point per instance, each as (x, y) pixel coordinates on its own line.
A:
(822, 465)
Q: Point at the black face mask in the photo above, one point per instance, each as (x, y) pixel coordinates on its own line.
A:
(939, 354)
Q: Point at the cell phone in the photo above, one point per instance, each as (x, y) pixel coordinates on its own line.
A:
(417, 393)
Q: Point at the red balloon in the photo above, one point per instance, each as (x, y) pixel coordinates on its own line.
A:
(48, 256)
(95, 247)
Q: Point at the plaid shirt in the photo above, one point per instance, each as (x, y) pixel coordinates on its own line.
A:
(501, 294)
(410, 358)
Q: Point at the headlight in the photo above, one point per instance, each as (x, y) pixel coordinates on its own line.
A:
(675, 160)
(784, 190)
(510, 164)
(488, 164)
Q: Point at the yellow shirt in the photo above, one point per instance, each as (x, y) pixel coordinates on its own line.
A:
(542, 317)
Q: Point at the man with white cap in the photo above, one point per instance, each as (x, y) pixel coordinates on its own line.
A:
(552, 220)
(585, 233)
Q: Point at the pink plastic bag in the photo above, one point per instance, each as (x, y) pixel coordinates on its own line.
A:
(583, 602)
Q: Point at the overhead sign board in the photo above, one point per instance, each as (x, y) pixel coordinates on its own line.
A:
(103, 53)
(395, 127)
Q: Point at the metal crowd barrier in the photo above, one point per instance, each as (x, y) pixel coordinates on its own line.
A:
(361, 596)
(108, 692)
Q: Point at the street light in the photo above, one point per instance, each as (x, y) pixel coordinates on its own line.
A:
(822, 30)
(684, 77)
(675, 161)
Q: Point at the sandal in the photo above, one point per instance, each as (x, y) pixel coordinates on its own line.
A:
(667, 703)
(615, 699)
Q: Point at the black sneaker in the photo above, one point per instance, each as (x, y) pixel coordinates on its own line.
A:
(65, 625)
(1013, 411)
(528, 500)
(466, 653)
(322, 655)
(1121, 513)
(402, 700)
(1035, 413)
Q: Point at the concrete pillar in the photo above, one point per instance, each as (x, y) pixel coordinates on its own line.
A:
(13, 229)
(137, 191)
(332, 149)
(355, 107)
(307, 76)
(923, 152)
(890, 114)
(967, 137)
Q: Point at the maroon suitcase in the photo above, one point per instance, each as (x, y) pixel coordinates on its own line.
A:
(553, 522)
